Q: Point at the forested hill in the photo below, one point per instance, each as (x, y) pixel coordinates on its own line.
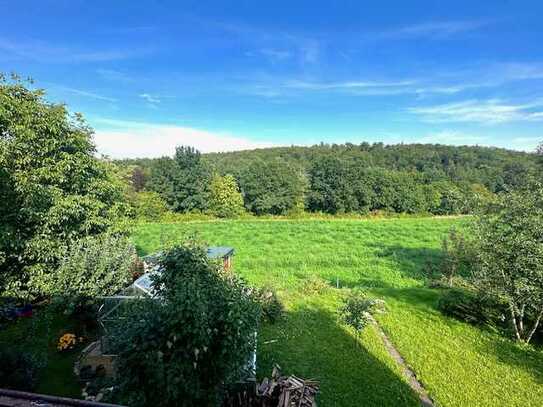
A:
(485, 165)
(350, 178)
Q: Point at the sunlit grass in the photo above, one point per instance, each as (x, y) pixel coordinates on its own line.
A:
(459, 364)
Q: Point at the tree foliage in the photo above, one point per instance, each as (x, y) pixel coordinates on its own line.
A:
(225, 199)
(148, 206)
(182, 181)
(181, 349)
(357, 310)
(404, 178)
(509, 247)
(90, 267)
(54, 190)
(272, 187)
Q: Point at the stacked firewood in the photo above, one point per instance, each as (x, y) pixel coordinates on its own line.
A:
(279, 391)
(287, 391)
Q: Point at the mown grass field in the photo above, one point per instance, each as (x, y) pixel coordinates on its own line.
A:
(304, 260)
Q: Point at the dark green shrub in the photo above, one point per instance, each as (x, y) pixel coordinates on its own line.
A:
(458, 256)
(473, 307)
(272, 307)
(91, 267)
(180, 348)
(18, 370)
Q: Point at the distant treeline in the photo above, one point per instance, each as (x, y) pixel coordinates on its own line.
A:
(403, 178)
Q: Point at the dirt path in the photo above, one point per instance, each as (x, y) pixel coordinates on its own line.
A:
(414, 383)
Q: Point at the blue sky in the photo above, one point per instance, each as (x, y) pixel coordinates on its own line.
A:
(225, 75)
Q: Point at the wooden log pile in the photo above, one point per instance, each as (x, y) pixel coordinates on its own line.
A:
(287, 391)
(279, 391)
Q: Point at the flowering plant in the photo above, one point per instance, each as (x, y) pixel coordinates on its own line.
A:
(68, 341)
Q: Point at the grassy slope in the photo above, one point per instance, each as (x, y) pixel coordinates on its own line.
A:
(459, 364)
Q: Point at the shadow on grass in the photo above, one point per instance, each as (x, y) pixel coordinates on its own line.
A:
(309, 342)
(511, 353)
(412, 262)
(423, 301)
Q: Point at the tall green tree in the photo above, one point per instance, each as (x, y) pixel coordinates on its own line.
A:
(53, 188)
(225, 199)
(331, 186)
(509, 247)
(183, 181)
(272, 187)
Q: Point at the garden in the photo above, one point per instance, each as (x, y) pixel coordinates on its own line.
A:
(352, 288)
(306, 260)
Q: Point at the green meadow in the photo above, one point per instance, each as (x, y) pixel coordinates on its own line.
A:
(312, 263)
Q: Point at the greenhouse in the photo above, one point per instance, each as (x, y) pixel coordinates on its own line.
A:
(111, 309)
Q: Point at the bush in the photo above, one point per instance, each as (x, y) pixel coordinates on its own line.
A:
(315, 285)
(458, 256)
(472, 307)
(272, 308)
(18, 370)
(148, 206)
(357, 310)
(90, 267)
(197, 335)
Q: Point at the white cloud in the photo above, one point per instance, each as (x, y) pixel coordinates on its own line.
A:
(344, 85)
(434, 29)
(83, 93)
(455, 138)
(132, 140)
(491, 111)
(275, 55)
(113, 75)
(44, 52)
(310, 51)
(152, 100)
(376, 88)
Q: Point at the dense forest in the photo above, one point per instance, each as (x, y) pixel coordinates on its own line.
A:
(346, 178)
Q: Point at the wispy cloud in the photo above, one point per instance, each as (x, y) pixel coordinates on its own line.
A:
(44, 52)
(434, 29)
(274, 55)
(114, 75)
(298, 84)
(454, 137)
(492, 111)
(152, 101)
(130, 140)
(81, 92)
(310, 51)
(378, 87)
(459, 138)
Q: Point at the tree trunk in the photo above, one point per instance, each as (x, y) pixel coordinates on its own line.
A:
(536, 325)
(514, 321)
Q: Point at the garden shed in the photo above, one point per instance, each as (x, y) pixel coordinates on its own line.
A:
(223, 253)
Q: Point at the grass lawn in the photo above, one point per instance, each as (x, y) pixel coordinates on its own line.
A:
(459, 364)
